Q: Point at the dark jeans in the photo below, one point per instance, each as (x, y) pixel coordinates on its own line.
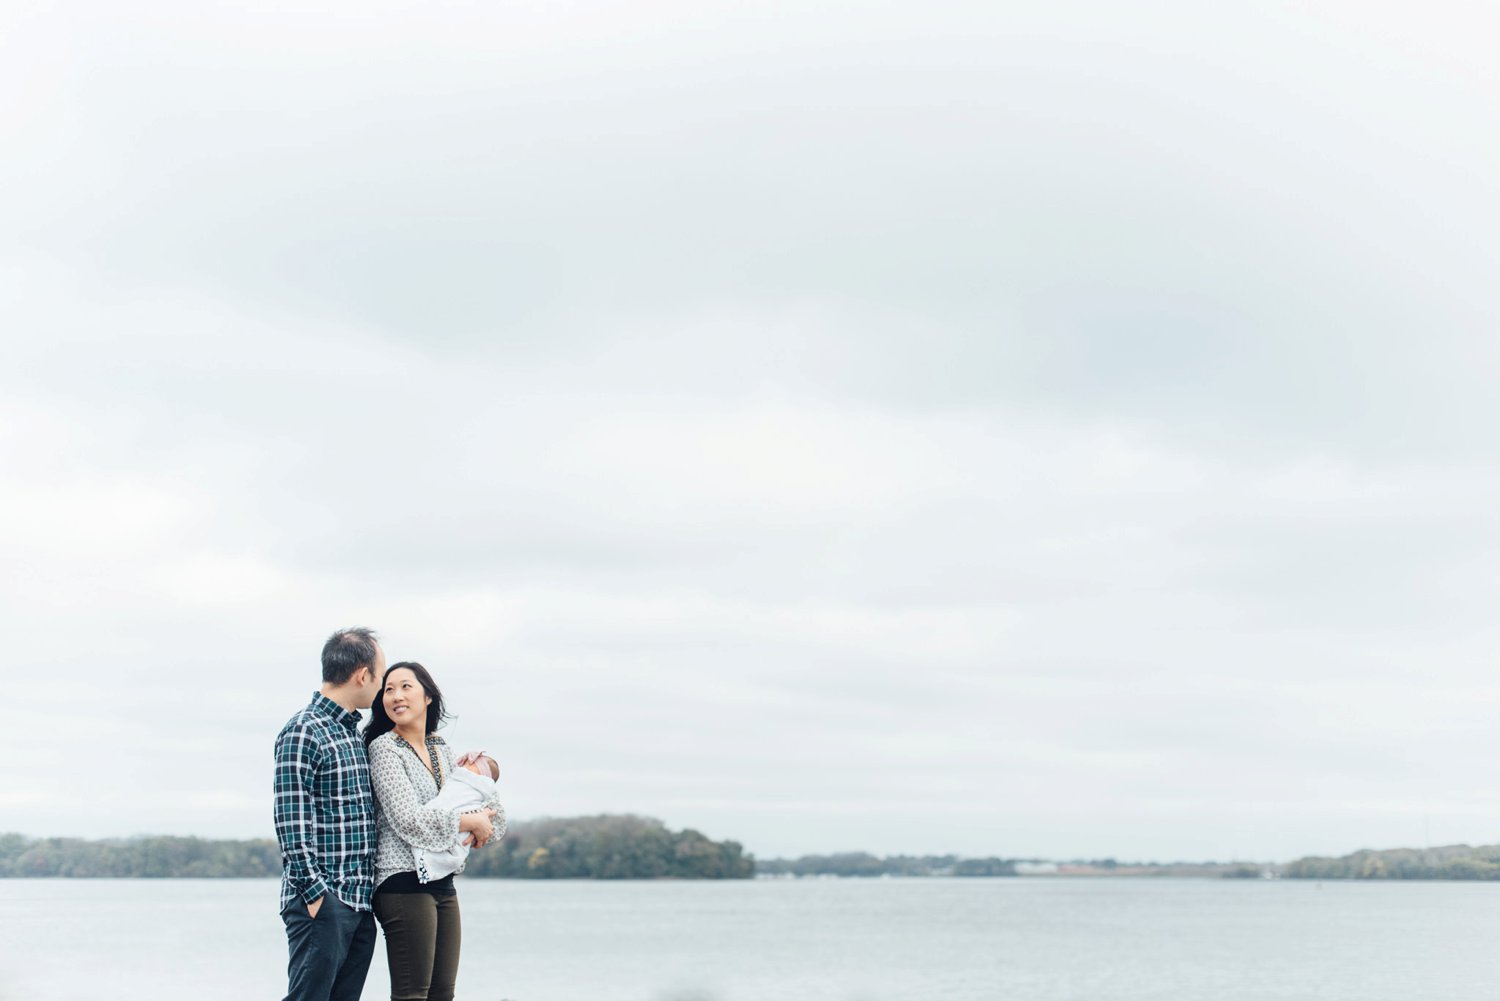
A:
(422, 934)
(330, 954)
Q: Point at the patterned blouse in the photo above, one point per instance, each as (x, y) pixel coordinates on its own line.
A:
(403, 787)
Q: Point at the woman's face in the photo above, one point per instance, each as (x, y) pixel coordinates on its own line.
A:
(405, 700)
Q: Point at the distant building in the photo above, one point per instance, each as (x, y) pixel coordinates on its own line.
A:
(1036, 868)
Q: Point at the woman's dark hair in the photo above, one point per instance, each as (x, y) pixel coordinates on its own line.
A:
(380, 722)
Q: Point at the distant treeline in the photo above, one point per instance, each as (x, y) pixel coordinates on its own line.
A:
(1450, 862)
(865, 864)
(609, 847)
(603, 847)
(1166, 870)
(151, 857)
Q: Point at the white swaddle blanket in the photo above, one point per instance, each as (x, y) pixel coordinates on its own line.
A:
(464, 791)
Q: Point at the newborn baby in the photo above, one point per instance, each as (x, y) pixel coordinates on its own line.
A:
(470, 787)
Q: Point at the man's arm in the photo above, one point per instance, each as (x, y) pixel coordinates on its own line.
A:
(297, 760)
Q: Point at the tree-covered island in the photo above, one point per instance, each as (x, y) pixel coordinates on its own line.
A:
(1447, 862)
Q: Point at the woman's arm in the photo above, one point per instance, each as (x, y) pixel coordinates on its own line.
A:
(478, 826)
(492, 801)
(482, 824)
(419, 825)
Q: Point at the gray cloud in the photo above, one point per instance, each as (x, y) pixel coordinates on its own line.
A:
(1039, 431)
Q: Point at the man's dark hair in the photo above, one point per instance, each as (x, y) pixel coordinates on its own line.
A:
(347, 651)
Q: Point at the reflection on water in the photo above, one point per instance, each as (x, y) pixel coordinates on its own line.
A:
(773, 940)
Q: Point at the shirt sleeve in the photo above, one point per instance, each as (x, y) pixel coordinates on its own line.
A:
(298, 756)
(419, 825)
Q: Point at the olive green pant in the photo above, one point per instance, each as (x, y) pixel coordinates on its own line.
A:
(422, 935)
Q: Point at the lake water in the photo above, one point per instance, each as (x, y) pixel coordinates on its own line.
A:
(1031, 939)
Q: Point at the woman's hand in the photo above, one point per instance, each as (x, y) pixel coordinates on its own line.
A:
(478, 825)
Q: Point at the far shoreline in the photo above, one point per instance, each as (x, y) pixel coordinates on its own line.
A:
(629, 847)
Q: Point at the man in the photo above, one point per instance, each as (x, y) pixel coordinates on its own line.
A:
(325, 824)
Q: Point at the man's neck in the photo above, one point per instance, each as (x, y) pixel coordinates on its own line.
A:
(345, 695)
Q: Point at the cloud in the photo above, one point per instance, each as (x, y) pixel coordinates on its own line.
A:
(1028, 431)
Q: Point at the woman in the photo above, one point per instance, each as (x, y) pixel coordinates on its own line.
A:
(408, 764)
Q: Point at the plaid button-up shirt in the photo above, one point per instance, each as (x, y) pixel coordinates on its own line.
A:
(325, 811)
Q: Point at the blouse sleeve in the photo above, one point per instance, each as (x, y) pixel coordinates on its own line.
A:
(493, 802)
(419, 825)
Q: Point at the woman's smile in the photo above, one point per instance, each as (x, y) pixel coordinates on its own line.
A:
(404, 695)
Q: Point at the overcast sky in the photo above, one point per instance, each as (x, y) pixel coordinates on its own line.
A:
(1035, 429)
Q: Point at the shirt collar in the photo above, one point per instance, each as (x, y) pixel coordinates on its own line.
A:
(324, 706)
